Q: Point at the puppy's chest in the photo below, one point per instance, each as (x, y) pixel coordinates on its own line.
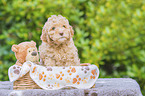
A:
(61, 54)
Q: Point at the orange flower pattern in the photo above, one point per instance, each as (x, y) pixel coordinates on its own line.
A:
(34, 69)
(59, 76)
(94, 74)
(77, 80)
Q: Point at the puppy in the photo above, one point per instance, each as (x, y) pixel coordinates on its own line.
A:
(57, 48)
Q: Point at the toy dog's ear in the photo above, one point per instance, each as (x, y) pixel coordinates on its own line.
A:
(71, 30)
(34, 43)
(15, 48)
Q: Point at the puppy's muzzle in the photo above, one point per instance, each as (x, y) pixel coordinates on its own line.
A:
(61, 33)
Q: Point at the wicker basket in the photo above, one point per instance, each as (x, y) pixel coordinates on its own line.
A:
(25, 82)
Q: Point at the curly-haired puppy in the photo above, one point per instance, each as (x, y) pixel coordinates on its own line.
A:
(57, 48)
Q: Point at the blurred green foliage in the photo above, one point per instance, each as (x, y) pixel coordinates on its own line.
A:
(108, 33)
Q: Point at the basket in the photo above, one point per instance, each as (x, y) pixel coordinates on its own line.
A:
(25, 82)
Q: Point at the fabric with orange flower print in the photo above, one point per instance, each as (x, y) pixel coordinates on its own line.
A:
(52, 78)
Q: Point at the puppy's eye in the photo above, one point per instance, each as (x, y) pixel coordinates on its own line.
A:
(64, 26)
(53, 28)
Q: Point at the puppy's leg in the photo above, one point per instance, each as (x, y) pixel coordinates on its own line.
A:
(41, 62)
(49, 61)
(76, 61)
(69, 63)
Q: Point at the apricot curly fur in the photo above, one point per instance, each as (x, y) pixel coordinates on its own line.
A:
(57, 48)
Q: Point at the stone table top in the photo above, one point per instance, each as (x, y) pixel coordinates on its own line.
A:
(103, 87)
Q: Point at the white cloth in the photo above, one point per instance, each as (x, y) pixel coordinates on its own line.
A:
(51, 78)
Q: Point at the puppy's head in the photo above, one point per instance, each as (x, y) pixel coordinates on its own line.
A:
(57, 30)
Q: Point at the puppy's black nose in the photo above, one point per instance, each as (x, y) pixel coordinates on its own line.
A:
(61, 33)
(34, 53)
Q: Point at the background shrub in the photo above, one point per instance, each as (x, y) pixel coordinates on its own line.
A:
(108, 33)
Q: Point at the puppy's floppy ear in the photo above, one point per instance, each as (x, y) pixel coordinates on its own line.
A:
(43, 36)
(71, 30)
(15, 48)
(34, 43)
